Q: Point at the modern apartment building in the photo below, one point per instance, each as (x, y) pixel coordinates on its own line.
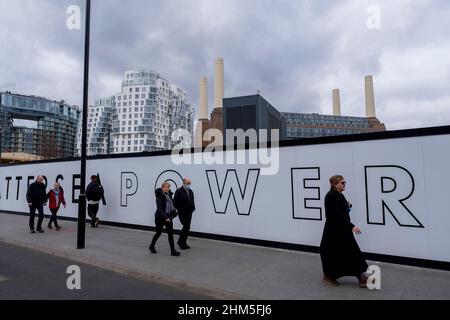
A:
(142, 117)
(37, 126)
(99, 127)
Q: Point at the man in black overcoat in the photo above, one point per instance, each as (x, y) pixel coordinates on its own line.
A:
(185, 204)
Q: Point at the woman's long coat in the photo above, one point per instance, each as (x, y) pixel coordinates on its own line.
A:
(339, 251)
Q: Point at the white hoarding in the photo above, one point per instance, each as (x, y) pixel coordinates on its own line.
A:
(399, 189)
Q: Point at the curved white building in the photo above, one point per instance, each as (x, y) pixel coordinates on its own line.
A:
(141, 117)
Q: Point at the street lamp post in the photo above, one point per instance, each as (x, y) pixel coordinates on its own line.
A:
(81, 233)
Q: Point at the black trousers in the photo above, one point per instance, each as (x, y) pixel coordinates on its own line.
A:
(185, 220)
(53, 219)
(92, 212)
(160, 224)
(40, 209)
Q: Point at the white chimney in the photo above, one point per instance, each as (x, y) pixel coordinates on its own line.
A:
(336, 102)
(370, 98)
(219, 84)
(203, 102)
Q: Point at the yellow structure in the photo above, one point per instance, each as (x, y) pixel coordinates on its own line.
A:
(13, 157)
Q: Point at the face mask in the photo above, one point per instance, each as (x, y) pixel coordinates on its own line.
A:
(187, 187)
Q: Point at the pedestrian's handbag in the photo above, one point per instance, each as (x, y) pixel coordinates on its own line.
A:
(174, 214)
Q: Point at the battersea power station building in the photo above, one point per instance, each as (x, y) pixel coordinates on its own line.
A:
(255, 112)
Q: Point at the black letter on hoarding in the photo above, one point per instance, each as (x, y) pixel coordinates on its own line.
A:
(128, 187)
(30, 178)
(18, 186)
(222, 195)
(8, 179)
(299, 191)
(75, 187)
(169, 176)
(388, 188)
(59, 177)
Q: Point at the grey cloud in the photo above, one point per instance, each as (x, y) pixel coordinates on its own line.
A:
(295, 52)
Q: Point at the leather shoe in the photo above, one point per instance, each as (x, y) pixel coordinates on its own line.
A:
(330, 281)
(362, 281)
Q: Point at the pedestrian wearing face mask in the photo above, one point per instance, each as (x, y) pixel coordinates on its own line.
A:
(184, 203)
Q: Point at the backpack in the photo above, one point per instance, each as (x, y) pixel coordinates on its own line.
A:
(95, 192)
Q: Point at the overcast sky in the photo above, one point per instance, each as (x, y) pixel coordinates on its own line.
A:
(294, 51)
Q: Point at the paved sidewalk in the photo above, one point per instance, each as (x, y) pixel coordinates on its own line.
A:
(27, 274)
(220, 269)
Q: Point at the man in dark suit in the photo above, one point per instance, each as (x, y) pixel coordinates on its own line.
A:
(184, 203)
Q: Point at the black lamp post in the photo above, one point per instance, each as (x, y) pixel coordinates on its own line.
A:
(82, 199)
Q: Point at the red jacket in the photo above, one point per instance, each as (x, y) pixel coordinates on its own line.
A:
(51, 195)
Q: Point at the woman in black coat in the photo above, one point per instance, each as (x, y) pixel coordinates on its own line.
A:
(339, 251)
(165, 213)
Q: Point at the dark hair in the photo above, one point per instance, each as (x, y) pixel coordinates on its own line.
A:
(94, 177)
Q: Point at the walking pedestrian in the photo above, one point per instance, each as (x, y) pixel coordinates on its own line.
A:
(339, 251)
(164, 215)
(94, 193)
(185, 205)
(37, 198)
(55, 197)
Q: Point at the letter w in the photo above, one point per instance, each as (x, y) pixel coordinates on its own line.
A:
(243, 199)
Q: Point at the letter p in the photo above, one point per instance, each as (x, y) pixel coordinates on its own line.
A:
(128, 187)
